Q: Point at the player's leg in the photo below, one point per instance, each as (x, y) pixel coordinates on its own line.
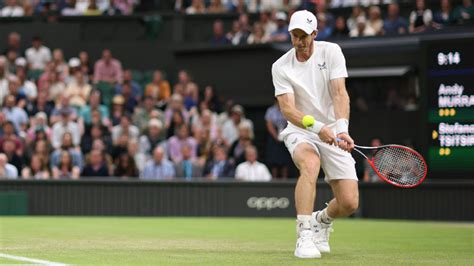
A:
(339, 168)
(308, 163)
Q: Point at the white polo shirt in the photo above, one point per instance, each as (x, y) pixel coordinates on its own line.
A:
(256, 171)
(38, 58)
(309, 81)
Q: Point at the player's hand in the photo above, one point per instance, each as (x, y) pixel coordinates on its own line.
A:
(345, 142)
(327, 136)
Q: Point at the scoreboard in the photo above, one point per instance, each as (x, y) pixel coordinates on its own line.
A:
(448, 79)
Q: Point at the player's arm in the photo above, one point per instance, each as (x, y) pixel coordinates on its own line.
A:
(341, 110)
(295, 116)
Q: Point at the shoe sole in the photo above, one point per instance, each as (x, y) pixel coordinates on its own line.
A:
(317, 256)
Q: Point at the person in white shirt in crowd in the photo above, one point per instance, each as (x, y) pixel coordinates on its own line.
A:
(125, 126)
(375, 21)
(12, 8)
(7, 171)
(27, 87)
(63, 126)
(362, 29)
(357, 12)
(38, 55)
(230, 128)
(14, 113)
(251, 169)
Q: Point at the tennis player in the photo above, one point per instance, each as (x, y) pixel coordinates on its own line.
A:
(310, 87)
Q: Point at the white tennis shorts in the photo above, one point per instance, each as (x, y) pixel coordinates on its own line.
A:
(336, 163)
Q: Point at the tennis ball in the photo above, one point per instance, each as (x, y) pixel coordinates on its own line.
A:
(307, 121)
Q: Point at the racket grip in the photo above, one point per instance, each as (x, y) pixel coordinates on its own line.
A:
(338, 139)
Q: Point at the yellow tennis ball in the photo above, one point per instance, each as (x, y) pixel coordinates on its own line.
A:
(308, 120)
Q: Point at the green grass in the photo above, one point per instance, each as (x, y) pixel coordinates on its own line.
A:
(229, 241)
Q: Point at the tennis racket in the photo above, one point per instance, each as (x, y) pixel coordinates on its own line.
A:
(396, 164)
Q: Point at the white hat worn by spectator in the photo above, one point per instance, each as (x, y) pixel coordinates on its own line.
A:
(280, 16)
(303, 20)
(74, 62)
(20, 61)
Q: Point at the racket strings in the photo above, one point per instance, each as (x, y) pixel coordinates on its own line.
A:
(399, 165)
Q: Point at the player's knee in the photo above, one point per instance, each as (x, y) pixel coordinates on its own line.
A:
(350, 204)
(310, 169)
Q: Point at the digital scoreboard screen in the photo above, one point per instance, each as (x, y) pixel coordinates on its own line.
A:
(449, 83)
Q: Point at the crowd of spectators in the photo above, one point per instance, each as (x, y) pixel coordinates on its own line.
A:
(364, 20)
(70, 119)
(21, 8)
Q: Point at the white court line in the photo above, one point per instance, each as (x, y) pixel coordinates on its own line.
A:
(36, 261)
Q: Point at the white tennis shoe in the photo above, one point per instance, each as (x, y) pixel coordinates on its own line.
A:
(305, 247)
(321, 233)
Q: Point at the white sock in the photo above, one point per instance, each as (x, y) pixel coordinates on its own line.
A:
(303, 222)
(323, 217)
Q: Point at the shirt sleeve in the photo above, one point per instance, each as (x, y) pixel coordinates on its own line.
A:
(280, 82)
(337, 63)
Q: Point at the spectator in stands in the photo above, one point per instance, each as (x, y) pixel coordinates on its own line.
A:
(4, 74)
(94, 104)
(38, 55)
(41, 104)
(130, 102)
(421, 18)
(237, 148)
(197, 7)
(277, 156)
(233, 31)
(375, 21)
(324, 32)
(216, 7)
(70, 9)
(128, 78)
(118, 109)
(113, 10)
(211, 99)
(108, 69)
(159, 89)
(174, 112)
(7, 171)
(92, 9)
(14, 85)
(63, 103)
(251, 169)
(55, 86)
(445, 16)
(126, 166)
(41, 147)
(219, 37)
(321, 9)
(394, 24)
(152, 137)
(258, 35)
(86, 66)
(176, 142)
(126, 127)
(78, 91)
(9, 149)
(218, 166)
(357, 13)
(13, 43)
(27, 87)
(369, 174)
(340, 30)
(230, 131)
(139, 158)
(204, 145)
(38, 169)
(269, 26)
(241, 36)
(60, 64)
(141, 116)
(12, 8)
(9, 133)
(95, 132)
(14, 113)
(281, 34)
(362, 29)
(11, 57)
(74, 151)
(65, 168)
(97, 167)
(158, 168)
(37, 124)
(207, 121)
(188, 168)
(464, 12)
(63, 126)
